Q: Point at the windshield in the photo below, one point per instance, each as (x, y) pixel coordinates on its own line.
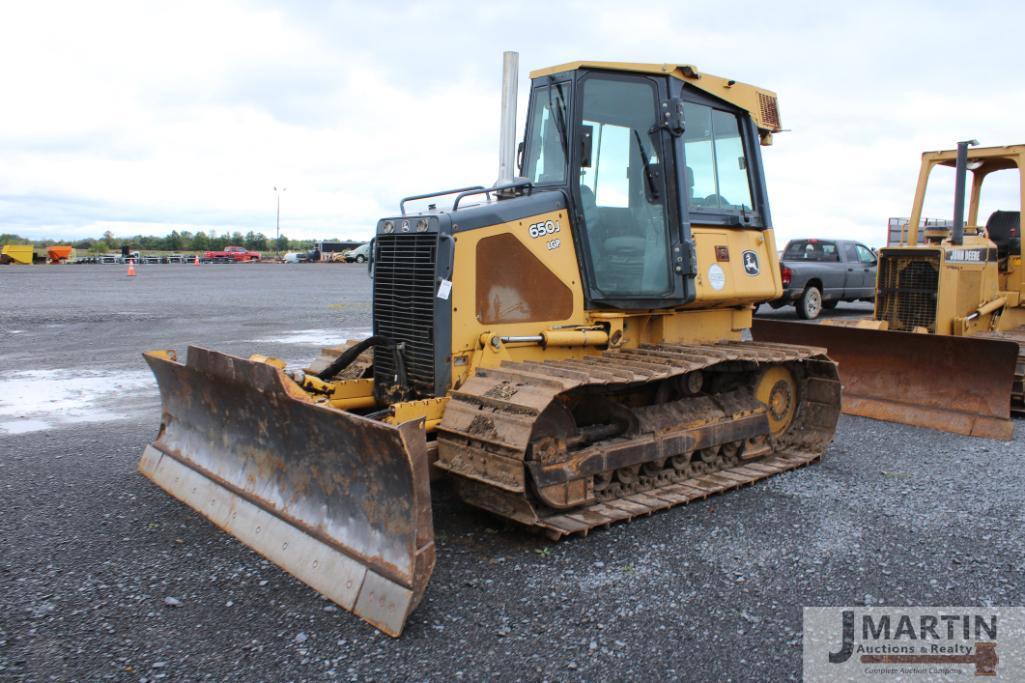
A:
(545, 162)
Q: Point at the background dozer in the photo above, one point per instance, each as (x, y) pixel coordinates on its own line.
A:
(944, 346)
(566, 349)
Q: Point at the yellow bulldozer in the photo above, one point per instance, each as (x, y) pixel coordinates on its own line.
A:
(565, 346)
(944, 347)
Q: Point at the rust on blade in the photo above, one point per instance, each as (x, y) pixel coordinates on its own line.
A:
(340, 501)
(952, 384)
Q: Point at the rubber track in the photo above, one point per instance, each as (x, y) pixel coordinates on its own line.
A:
(495, 410)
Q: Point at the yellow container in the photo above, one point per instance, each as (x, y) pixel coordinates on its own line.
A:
(19, 253)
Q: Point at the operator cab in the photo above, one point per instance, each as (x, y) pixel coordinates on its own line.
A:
(642, 157)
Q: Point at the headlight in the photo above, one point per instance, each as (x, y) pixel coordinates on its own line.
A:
(388, 227)
(421, 225)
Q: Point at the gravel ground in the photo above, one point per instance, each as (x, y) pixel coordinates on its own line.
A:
(102, 576)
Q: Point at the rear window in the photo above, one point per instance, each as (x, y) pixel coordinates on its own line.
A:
(811, 250)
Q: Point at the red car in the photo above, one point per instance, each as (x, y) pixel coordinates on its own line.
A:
(240, 254)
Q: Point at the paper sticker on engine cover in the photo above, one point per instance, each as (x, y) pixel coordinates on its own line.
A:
(716, 276)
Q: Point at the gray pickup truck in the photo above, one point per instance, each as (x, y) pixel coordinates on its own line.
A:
(819, 274)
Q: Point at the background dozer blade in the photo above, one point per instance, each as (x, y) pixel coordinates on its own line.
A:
(954, 384)
(339, 501)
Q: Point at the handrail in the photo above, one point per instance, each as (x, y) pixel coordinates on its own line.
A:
(441, 193)
(496, 188)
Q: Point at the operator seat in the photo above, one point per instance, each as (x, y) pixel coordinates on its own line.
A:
(1004, 229)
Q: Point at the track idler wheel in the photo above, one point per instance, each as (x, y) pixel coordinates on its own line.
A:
(776, 388)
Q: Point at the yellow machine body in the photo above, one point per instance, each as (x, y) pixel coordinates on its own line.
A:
(951, 286)
(485, 308)
(568, 349)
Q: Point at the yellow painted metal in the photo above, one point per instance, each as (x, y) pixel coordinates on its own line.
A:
(269, 360)
(575, 337)
(737, 286)
(430, 409)
(716, 314)
(355, 403)
(759, 102)
(777, 389)
(930, 378)
(972, 297)
(19, 253)
(350, 394)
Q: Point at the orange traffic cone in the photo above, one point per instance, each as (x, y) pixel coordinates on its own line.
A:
(131, 267)
(196, 262)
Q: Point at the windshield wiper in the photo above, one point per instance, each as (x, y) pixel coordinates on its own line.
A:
(560, 121)
(648, 176)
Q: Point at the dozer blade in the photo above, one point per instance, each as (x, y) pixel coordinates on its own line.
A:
(953, 384)
(339, 501)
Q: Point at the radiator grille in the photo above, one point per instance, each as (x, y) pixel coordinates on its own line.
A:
(906, 297)
(404, 293)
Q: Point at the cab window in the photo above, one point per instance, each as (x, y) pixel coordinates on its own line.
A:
(545, 163)
(717, 164)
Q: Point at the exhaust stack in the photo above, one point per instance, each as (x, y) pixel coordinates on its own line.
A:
(507, 132)
(961, 173)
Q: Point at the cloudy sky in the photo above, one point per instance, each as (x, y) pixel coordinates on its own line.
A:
(140, 117)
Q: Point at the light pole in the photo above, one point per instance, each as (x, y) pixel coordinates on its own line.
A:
(277, 229)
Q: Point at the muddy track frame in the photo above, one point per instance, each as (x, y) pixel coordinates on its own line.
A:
(490, 436)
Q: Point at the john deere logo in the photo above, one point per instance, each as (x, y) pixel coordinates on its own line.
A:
(751, 263)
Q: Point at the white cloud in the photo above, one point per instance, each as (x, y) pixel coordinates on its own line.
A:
(140, 117)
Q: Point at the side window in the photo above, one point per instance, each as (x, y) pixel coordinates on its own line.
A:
(545, 161)
(716, 163)
(850, 253)
(865, 254)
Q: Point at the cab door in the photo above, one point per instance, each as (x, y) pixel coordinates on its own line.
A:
(869, 264)
(620, 184)
(853, 272)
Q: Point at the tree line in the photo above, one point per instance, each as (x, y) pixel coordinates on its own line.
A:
(183, 240)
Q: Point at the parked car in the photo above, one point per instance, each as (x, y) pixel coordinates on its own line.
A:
(236, 254)
(820, 274)
(360, 254)
(296, 257)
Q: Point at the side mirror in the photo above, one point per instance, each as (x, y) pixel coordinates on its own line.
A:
(586, 145)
